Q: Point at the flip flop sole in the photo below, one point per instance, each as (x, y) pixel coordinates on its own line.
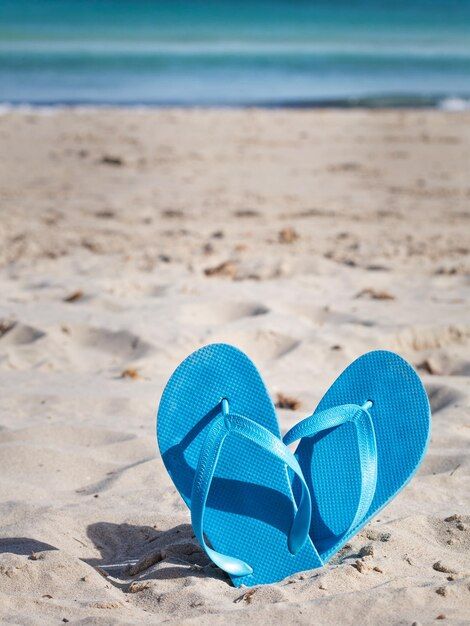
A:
(330, 460)
(250, 507)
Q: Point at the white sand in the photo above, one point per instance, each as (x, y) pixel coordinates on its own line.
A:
(380, 202)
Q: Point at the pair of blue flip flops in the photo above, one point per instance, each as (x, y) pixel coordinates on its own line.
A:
(266, 512)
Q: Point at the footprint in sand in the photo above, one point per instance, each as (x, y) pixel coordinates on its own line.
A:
(17, 334)
(219, 312)
(78, 347)
(260, 345)
(418, 338)
(435, 463)
(121, 343)
(441, 397)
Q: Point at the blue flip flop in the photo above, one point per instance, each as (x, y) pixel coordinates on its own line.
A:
(219, 438)
(361, 446)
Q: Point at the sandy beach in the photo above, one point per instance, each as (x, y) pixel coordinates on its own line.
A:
(129, 238)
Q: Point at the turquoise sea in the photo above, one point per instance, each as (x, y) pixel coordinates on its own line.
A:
(227, 52)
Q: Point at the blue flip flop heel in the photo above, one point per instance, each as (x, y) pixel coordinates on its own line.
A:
(220, 442)
(361, 446)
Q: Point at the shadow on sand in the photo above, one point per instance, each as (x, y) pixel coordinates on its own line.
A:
(131, 552)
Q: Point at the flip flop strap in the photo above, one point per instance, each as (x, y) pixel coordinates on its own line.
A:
(367, 446)
(225, 425)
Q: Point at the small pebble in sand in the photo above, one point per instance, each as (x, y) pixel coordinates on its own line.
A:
(288, 235)
(208, 248)
(452, 518)
(375, 535)
(172, 213)
(107, 605)
(247, 596)
(441, 567)
(105, 214)
(246, 213)
(442, 591)
(196, 603)
(227, 269)
(131, 373)
(146, 562)
(377, 569)
(109, 159)
(5, 326)
(287, 402)
(367, 550)
(441, 616)
(374, 294)
(136, 586)
(74, 296)
(359, 565)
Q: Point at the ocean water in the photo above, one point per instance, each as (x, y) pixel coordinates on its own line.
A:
(227, 52)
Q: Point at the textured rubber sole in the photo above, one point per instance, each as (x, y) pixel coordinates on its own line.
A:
(250, 506)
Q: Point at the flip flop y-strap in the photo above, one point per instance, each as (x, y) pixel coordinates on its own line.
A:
(366, 441)
(227, 424)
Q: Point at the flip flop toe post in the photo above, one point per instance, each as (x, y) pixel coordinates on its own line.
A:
(220, 442)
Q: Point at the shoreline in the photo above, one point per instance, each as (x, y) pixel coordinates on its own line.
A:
(439, 102)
